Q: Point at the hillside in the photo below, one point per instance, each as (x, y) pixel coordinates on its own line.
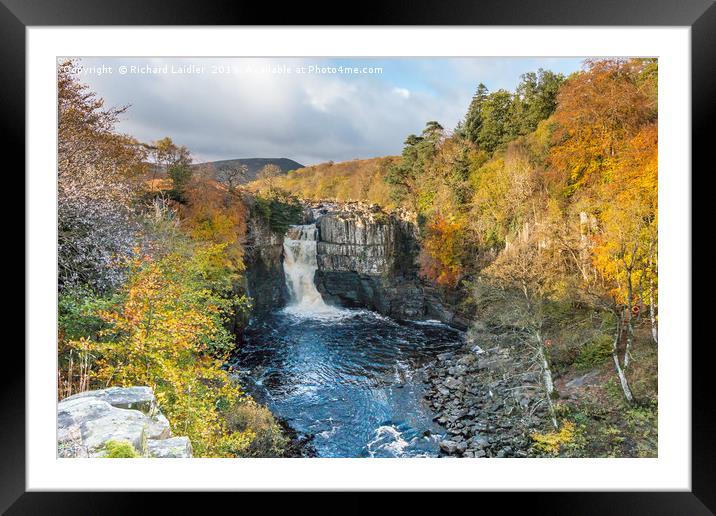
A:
(350, 180)
(253, 165)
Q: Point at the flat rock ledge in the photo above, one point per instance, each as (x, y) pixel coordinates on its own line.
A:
(88, 420)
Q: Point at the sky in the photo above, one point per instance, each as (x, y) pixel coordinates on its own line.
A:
(310, 110)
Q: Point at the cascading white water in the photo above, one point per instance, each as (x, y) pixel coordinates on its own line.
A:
(299, 267)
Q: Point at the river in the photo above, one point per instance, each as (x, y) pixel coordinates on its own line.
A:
(351, 378)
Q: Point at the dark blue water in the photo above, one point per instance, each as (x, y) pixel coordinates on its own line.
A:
(351, 377)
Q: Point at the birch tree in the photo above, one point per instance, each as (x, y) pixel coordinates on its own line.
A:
(526, 274)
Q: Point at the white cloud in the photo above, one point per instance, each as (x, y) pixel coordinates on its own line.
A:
(402, 92)
(260, 110)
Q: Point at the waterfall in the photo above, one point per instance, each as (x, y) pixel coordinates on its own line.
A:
(299, 267)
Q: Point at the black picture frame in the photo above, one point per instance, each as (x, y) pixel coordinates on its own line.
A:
(700, 15)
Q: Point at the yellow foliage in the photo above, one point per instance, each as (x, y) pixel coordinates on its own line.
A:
(167, 334)
(347, 181)
(441, 252)
(552, 442)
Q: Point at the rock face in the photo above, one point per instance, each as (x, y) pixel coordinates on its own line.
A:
(88, 420)
(170, 448)
(364, 242)
(367, 258)
(265, 279)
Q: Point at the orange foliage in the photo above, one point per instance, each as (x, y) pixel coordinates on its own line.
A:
(158, 185)
(598, 110)
(212, 214)
(442, 249)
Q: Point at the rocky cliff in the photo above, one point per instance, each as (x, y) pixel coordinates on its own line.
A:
(87, 421)
(265, 281)
(367, 258)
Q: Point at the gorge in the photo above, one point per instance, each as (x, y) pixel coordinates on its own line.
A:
(353, 359)
(489, 289)
(345, 374)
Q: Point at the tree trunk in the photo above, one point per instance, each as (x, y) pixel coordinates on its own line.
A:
(547, 379)
(621, 373)
(629, 321)
(652, 312)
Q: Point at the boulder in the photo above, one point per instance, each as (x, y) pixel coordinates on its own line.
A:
(136, 398)
(453, 383)
(88, 420)
(85, 424)
(448, 446)
(172, 448)
(159, 427)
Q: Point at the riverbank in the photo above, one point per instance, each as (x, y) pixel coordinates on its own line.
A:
(487, 397)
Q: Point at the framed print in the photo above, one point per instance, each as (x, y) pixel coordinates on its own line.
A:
(428, 251)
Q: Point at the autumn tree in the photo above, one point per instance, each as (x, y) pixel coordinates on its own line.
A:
(526, 279)
(606, 149)
(268, 175)
(213, 214)
(599, 109)
(168, 333)
(174, 160)
(97, 184)
(233, 176)
(442, 250)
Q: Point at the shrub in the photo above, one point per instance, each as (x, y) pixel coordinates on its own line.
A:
(269, 440)
(120, 450)
(551, 442)
(594, 352)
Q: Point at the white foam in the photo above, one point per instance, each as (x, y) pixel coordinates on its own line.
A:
(395, 443)
(300, 266)
(428, 322)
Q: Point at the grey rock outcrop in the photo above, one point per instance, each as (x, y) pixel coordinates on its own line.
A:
(360, 242)
(137, 398)
(368, 258)
(87, 421)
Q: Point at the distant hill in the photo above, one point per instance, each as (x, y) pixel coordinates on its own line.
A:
(253, 165)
